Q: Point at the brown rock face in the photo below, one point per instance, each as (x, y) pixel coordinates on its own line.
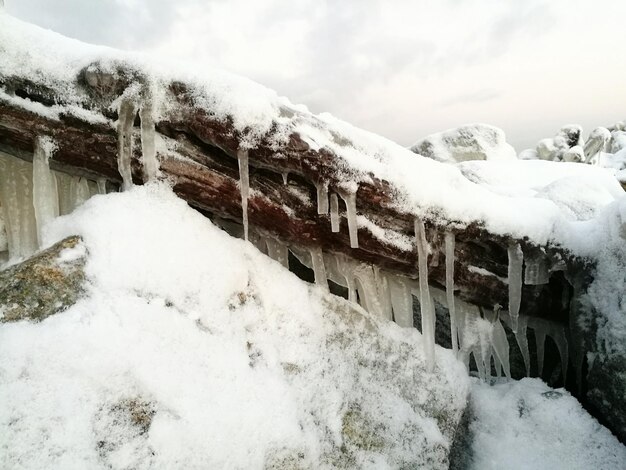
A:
(45, 284)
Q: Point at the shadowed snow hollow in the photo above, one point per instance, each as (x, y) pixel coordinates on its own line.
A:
(191, 349)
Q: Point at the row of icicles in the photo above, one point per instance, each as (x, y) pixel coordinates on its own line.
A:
(32, 195)
(390, 295)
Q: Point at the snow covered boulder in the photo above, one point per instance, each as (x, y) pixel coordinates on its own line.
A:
(469, 142)
(47, 283)
(191, 349)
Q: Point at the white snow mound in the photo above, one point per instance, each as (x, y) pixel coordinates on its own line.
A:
(194, 350)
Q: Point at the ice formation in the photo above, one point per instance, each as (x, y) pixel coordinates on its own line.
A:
(17, 204)
(537, 270)
(450, 243)
(148, 135)
(516, 258)
(350, 200)
(102, 185)
(317, 260)
(401, 300)
(244, 181)
(322, 197)
(126, 116)
(278, 251)
(334, 213)
(545, 328)
(285, 176)
(522, 341)
(45, 199)
(426, 307)
(32, 195)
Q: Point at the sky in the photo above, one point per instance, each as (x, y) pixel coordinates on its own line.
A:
(401, 68)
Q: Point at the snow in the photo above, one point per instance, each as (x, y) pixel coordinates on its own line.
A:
(528, 425)
(239, 361)
(423, 187)
(469, 142)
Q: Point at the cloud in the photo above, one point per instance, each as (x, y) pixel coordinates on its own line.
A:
(404, 69)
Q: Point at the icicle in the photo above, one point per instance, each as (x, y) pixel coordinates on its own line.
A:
(285, 178)
(102, 186)
(560, 339)
(540, 338)
(322, 197)
(93, 187)
(346, 269)
(384, 293)
(521, 336)
(45, 195)
(450, 243)
(368, 290)
(126, 118)
(401, 301)
(350, 200)
(148, 148)
(537, 269)
(334, 213)
(244, 181)
(516, 258)
(64, 182)
(278, 252)
(317, 258)
(501, 347)
(426, 307)
(16, 194)
(79, 191)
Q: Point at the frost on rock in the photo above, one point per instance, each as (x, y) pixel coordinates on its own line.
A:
(45, 194)
(596, 144)
(470, 142)
(244, 182)
(334, 213)
(148, 147)
(516, 258)
(426, 307)
(126, 117)
(450, 258)
(350, 200)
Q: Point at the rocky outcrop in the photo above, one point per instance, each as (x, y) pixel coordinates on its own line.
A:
(469, 142)
(48, 283)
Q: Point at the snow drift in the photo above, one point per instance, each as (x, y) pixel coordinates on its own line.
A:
(191, 349)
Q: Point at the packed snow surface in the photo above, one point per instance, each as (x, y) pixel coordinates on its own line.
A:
(191, 349)
(423, 187)
(527, 425)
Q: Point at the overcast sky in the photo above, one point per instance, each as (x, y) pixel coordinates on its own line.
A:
(403, 69)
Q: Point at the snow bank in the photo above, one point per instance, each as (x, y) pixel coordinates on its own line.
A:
(194, 350)
(528, 425)
(424, 187)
